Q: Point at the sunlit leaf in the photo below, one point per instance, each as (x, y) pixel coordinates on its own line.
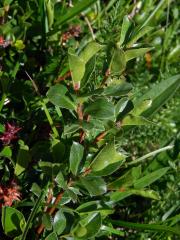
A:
(150, 178)
(107, 157)
(124, 29)
(160, 93)
(152, 227)
(13, 221)
(135, 52)
(118, 62)
(135, 120)
(89, 51)
(75, 158)
(59, 223)
(138, 34)
(88, 227)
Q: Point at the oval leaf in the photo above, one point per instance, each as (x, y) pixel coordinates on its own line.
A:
(76, 155)
(101, 109)
(107, 156)
(77, 68)
(118, 62)
(13, 221)
(136, 52)
(89, 51)
(59, 223)
(56, 95)
(52, 236)
(94, 185)
(88, 227)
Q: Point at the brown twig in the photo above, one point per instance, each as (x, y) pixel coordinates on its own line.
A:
(50, 211)
(89, 26)
(80, 112)
(34, 84)
(62, 78)
(100, 136)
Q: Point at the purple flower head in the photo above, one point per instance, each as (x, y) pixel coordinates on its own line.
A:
(9, 134)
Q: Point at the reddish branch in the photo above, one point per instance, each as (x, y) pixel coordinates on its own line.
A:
(100, 136)
(50, 211)
(62, 78)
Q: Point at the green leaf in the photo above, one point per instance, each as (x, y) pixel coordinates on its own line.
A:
(6, 152)
(118, 90)
(138, 34)
(150, 178)
(77, 9)
(70, 129)
(2, 128)
(52, 236)
(146, 193)
(141, 107)
(47, 168)
(135, 52)
(58, 150)
(118, 62)
(107, 157)
(33, 213)
(125, 180)
(90, 68)
(94, 185)
(101, 108)
(60, 180)
(19, 45)
(89, 51)
(121, 105)
(35, 189)
(135, 120)
(7, 2)
(150, 154)
(112, 230)
(50, 169)
(152, 227)
(174, 55)
(120, 195)
(23, 159)
(59, 223)
(46, 221)
(77, 63)
(13, 221)
(76, 155)
(77, 68)
(125, 27)
(88, 207)
(88, 227)
(160, 93)
(152, 15)
(49, 12)
(56, 95)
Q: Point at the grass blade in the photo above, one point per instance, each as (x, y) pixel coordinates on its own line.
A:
(154, 12)
(32, 215)
(151, 154)
(78, 8)
(152, 227)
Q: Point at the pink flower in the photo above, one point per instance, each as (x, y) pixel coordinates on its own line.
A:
(9, 134)
(9, 194)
